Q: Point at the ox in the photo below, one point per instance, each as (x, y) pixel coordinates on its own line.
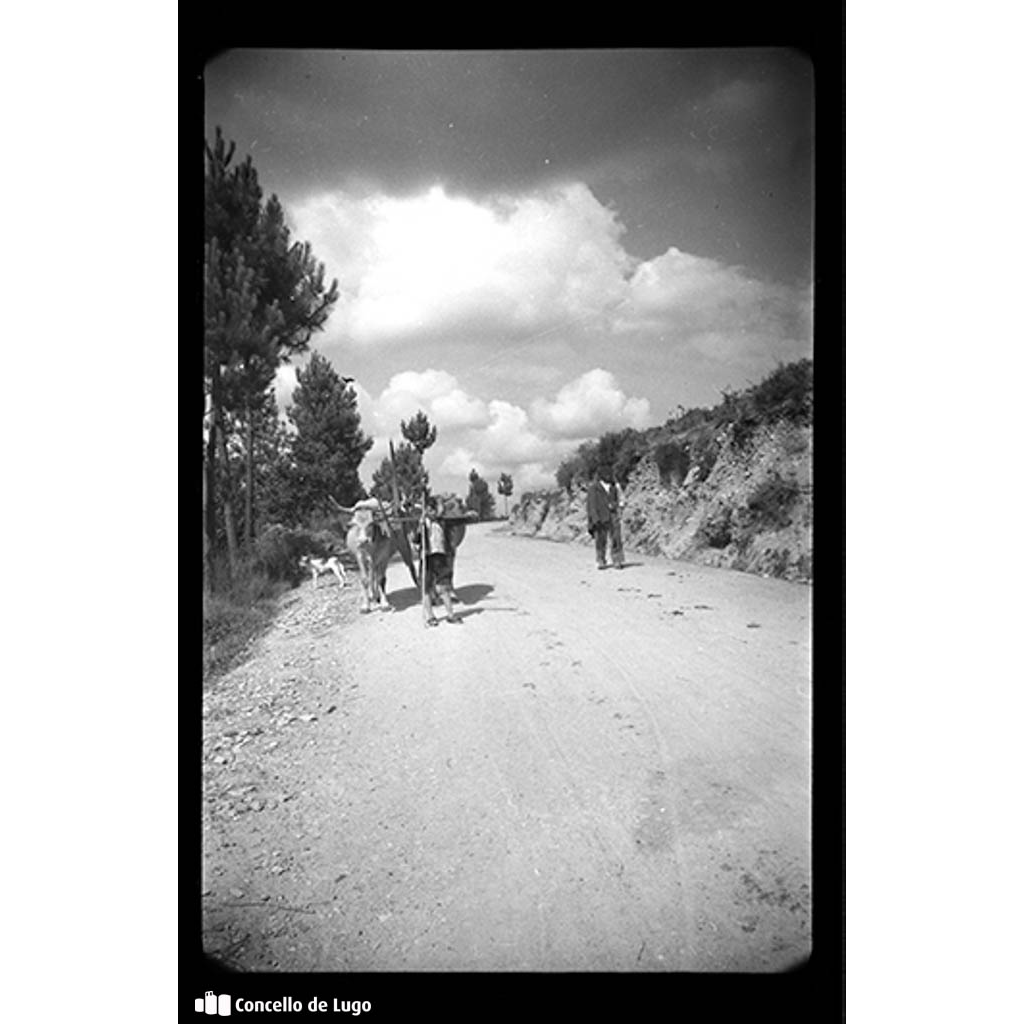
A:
(372, 543)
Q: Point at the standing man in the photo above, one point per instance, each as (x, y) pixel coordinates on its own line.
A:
(603, 517)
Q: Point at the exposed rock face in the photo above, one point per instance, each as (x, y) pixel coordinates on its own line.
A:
(751, 512)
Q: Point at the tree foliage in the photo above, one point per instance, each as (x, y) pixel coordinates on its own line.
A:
(505, 488)
(270, 449)
(328, 445)
(419, 433)
(616, 453)
(263, 299)
(479, 497)
(266, 295)
(413, 479)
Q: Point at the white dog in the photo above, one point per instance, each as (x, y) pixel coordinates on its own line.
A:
(321, 565)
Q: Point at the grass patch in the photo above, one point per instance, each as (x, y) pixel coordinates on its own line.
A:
(236, 616)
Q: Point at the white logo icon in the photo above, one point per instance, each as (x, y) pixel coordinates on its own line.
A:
(214, 1004)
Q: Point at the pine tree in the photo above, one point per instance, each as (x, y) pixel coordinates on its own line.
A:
(247, 386)
(505, 488)
(259, 450)
(413, 479)
(479, 498)
(419, 433)
(329, 444)
(264, 298)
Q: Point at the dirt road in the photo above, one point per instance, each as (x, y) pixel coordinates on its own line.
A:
(595, 771)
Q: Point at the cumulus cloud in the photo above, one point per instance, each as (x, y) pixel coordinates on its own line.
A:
(510, 435)
(433, 262)
(542, 264)
(500, 436)
(721, 311)
(496, 436)
(436, 393)
(526, 476)
(588, 406)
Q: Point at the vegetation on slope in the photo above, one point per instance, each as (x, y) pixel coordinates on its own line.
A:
(689, 439)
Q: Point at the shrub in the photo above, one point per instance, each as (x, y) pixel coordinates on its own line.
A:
(716, 528)
(772, 501)
(619, 451)
(743, 429)
(278, 550)
(673, 461)
(704, 451)
(626, 449)
(687, 419)
(785, 394)
(776, 561)
(565, 474)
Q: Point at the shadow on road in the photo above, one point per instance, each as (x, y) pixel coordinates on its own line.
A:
(474, 593)
(409, 597)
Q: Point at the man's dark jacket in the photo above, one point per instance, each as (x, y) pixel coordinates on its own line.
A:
(602, 506)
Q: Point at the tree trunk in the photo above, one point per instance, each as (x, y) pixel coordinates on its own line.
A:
(218, 442)
(229, 530)
(229, 516)
(248, 527)
(207, 546)
(210, 479)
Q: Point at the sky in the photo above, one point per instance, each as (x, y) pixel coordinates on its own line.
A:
(537, 247)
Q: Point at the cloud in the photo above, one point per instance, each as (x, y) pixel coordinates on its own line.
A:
(511, 443)
(498, 436)
(589, 406)
(485, 285)
(720, 311)
(436, 393)
(510, 438)
(494, 275)
(432, 262)
(526, 476)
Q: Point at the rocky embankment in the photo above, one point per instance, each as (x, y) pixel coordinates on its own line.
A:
(749, 510)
